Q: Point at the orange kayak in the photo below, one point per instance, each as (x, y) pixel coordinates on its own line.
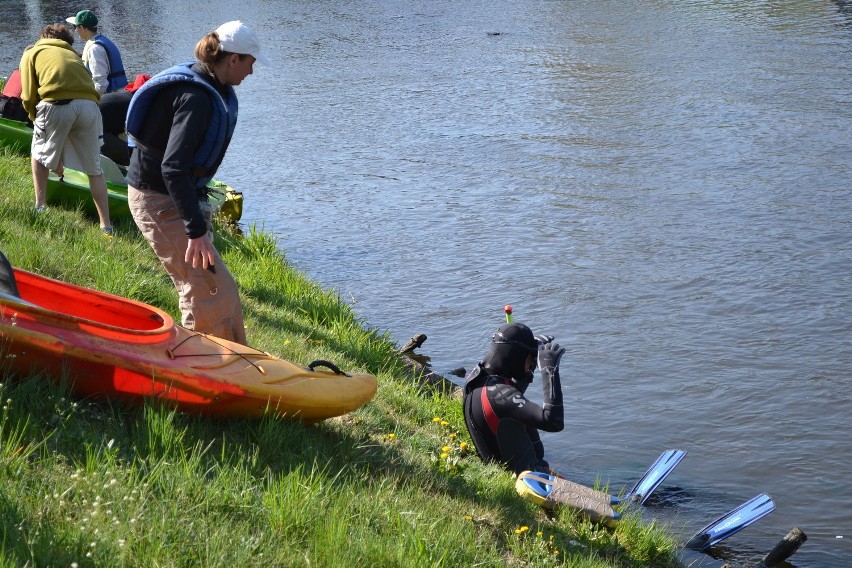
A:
(116, 347)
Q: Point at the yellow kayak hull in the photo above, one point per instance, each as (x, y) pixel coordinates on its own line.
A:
(115, 347)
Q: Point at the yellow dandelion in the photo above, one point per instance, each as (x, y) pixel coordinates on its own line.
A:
(468, 517)
(445, 449)
(463, 446)
(436, 419)
(539, 533)
(445, 455)
(453, 436)
(391, 436)
(444, 423)
(522, 529)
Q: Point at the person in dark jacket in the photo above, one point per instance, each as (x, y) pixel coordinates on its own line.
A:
(181, 122)
(503, 424)
(114, 107)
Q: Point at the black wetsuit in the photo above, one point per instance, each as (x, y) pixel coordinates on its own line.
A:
(504, 424)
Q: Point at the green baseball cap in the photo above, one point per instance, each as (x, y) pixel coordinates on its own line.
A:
(85, 18)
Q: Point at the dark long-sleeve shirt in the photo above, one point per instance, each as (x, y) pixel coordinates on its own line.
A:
(174, 130)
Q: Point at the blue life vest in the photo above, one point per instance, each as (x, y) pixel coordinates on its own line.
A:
(222, 122)
(117, 78)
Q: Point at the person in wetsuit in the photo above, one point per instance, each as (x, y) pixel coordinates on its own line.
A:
(503, 424)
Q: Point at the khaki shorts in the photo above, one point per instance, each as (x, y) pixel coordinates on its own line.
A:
(68, 134)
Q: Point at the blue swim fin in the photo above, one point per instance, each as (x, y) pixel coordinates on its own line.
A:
(733, 522)
(655, 475)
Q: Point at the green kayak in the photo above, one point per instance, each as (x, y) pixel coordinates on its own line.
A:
(72, 188)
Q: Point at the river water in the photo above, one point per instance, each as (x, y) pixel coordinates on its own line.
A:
(665, 186)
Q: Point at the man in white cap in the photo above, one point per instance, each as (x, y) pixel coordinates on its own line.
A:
(100, 54)
(181, 122)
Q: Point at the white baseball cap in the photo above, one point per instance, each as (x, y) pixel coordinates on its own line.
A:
(236, 37)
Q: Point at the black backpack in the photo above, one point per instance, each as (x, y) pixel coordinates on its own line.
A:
(13, 109)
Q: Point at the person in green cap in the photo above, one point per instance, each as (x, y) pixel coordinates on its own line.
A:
(100, 54)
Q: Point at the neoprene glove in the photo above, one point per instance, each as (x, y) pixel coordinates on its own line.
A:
(542, 339)
(549, 355)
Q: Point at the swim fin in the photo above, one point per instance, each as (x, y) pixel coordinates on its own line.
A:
(655, 475)
(550, 491)
(543, 488)
(548, 486)
(732, 522)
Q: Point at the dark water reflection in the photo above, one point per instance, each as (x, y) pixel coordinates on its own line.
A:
(664, 186)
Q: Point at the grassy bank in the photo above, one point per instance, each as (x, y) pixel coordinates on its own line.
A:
(95, 483)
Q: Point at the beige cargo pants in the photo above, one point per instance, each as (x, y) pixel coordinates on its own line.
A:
(209, 302)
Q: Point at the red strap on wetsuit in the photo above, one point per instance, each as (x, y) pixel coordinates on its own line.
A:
(490, 416)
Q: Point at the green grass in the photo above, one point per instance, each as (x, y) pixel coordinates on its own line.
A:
(98, 483)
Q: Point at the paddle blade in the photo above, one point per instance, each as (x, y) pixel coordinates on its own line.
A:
(655, 475)
(111, 171)
(732, 522)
